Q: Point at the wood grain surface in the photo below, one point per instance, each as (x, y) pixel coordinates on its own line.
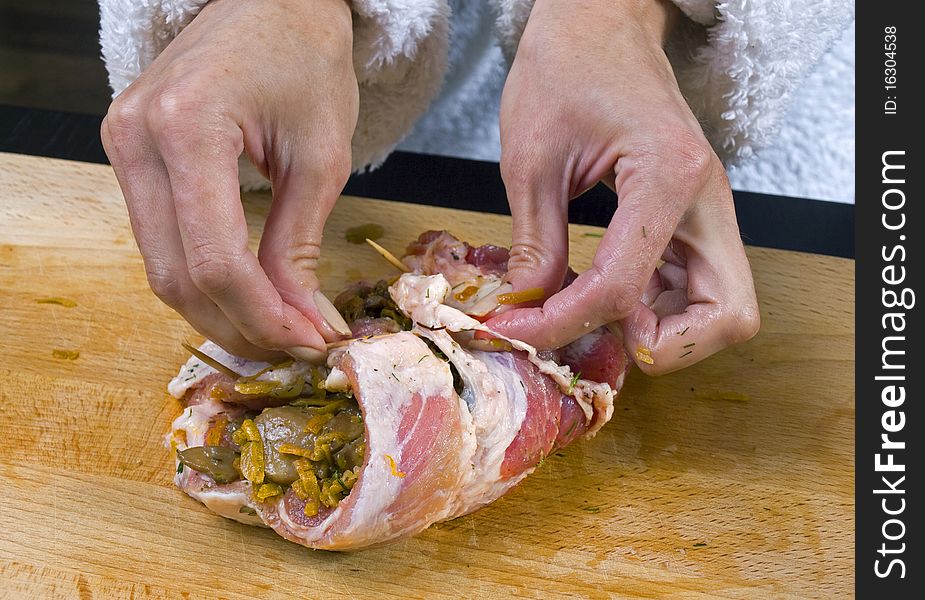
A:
(731, 479)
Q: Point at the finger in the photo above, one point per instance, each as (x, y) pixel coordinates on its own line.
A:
(201, 161)
(627, 256)
(539, 210)
(671, 293)
(661, 345)
(721, 310)
(303, 196)
(143, 179)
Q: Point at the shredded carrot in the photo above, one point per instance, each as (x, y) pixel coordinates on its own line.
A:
(522, 296)
(214, 436)
(394, 466)
(467, 293)
(643, 354)
(218, 393)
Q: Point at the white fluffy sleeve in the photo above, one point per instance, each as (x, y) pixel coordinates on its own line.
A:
(737, 61)
(400, 50)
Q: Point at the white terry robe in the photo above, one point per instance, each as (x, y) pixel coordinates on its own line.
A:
(737, 63)
(399, 55)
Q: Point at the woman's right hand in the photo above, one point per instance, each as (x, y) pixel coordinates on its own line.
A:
(273, 79)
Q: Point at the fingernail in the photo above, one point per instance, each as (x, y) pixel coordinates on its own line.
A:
(307, 354)
(330, 314)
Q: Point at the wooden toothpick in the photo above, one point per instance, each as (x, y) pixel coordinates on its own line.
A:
(212, 362)
(393, 260)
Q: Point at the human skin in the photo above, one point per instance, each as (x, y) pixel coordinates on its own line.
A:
(592, 97)
(273, 79)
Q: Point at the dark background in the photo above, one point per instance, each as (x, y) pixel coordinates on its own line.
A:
(50, 56)
(54, 93)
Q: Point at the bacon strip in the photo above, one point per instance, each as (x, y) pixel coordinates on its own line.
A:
(432, 453)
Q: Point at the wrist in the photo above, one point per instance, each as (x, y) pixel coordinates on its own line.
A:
(656, 18)
(653, 20)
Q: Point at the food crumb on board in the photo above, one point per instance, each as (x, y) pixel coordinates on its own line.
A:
(65, 302)
(65, 354)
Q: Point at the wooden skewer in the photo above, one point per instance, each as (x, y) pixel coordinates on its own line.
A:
(393, 260)
(212, 362)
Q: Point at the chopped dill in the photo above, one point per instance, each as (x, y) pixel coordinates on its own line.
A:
(575, 378)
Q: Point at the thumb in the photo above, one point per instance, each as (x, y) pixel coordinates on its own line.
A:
(303, 197)
(539, 240)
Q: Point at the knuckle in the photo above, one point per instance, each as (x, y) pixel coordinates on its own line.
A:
(692, 155)
(330, 168)
(618, 300)
(622, 300)
(165, 285)
(295, 256)
(690, 159)
(174, 113)
(303, 255)
(743, 323)
(531, 254)
(679, 158)
(211, 269)
(122, 120)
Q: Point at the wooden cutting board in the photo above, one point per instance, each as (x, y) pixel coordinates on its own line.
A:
(733, 478)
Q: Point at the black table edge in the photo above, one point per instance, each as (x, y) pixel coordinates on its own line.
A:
(765, 220)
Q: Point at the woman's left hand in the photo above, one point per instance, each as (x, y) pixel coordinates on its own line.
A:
(592, 97)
